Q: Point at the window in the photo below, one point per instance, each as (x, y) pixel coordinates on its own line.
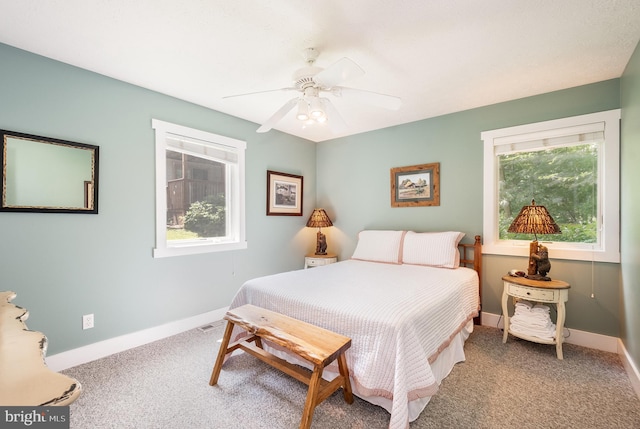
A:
(570, 166)
(200, 192)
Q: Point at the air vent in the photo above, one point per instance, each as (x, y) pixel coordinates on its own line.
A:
(210, 326)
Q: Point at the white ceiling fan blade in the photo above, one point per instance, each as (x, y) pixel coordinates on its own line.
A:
(275, 118)
(335, 120)
(341, 71)
(260, 92)
(382, 100)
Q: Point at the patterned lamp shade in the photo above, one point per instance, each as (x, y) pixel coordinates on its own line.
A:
(535, 220)
(319, 219)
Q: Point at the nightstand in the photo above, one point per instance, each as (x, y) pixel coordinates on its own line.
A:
(313, 260)
(552, 292)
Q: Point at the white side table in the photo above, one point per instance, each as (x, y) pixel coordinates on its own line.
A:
(313, 260)
(554, 291)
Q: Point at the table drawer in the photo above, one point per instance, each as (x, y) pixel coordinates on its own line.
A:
(316, 262)
(313, 262)
(533, 294)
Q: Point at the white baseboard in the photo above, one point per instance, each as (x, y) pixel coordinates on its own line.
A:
(632, 369)
(91, 352)
(586, 339)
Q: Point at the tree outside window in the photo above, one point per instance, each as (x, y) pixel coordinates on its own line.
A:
(564, 180)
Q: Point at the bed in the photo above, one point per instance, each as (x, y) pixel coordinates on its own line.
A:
(407, 300)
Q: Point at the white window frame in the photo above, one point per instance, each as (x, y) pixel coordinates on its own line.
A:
(608, 247)
(236, 238)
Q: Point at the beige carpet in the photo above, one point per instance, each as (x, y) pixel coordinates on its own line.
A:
(518, 384)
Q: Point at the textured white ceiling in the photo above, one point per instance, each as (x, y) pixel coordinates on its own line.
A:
(439, 56)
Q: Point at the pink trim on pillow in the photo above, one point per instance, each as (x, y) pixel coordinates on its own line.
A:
(401, 250)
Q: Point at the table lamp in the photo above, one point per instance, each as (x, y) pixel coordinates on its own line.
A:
(536, 220)
(319, 219)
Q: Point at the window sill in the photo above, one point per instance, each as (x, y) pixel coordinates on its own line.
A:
(194, 249)
(556, 250)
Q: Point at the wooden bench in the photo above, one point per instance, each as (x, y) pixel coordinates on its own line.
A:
(312, 343)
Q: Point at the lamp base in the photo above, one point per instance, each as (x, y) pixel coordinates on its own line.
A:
(539, 264)
(321, 244)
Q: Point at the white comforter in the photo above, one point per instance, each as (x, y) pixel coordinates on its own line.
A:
(399, 318)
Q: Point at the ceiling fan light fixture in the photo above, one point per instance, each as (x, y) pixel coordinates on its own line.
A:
(317, 114)
(303, 110)
(315, 108)
(311, 83)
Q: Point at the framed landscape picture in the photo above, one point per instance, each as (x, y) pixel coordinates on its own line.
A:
(416, 185)
(284, 194)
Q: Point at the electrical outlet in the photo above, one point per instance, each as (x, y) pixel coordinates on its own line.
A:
(87, 321)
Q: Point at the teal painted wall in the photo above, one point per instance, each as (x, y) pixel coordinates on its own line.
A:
(65, 265)
(354, 188)
(630, 241)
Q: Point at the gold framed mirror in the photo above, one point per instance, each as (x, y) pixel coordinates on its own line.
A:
(42, 174)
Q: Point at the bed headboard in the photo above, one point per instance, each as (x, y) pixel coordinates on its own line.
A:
(471, 257)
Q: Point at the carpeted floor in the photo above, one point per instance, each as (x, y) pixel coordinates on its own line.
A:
(518, 384)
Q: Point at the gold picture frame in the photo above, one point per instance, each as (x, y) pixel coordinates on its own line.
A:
(415, 185)
(284, 194)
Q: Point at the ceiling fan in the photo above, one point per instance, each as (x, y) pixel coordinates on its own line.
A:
(313, 83)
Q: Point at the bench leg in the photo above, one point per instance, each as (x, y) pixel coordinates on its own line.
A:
(312, 397)
(221, 354)
(344, 372)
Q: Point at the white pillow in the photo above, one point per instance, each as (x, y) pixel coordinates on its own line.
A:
(436, 249)
(379, 246)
